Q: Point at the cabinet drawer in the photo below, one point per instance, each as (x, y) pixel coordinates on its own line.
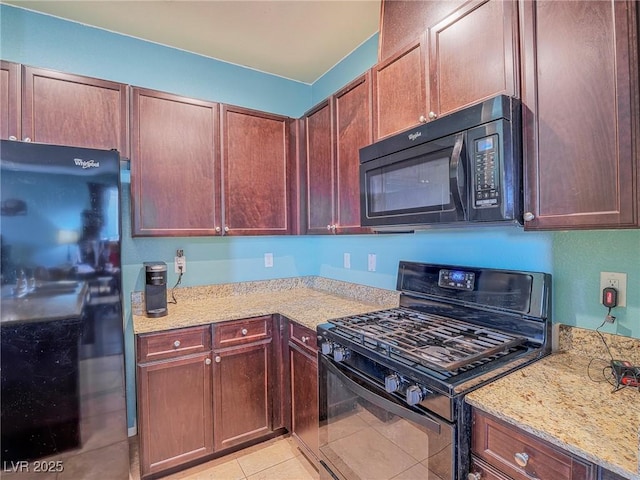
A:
(173, 343)
(303, 336)
(237, 332)
(522, 456)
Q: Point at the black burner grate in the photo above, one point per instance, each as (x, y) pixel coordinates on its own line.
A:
(431, 340)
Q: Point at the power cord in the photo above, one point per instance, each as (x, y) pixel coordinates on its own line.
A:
(174, 287)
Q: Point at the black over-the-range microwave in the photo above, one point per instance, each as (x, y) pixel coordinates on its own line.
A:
(461, 169)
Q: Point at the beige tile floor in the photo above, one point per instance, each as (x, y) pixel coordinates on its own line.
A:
(276, 459)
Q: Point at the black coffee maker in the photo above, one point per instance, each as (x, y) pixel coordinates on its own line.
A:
(155, 292)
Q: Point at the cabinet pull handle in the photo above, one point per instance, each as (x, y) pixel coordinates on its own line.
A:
(528, 216)
(521, 459)
(433, 115)
(244, 331)
(218, 359)
(176, 344)
(207, 361)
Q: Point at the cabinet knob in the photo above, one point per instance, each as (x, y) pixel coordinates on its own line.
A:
(218, 229)
(305, 339)
(528, 216)
(433, 115)
(521, 459)
(218, 358)
(474, 476)
(26, 139)
(207, 361)
(244, 331)
(226, 229)
(13, 137)
(422, 119)
(328, 227)
(176, 344)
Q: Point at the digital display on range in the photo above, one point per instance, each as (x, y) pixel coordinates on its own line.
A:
(457, 279)
(484, 144)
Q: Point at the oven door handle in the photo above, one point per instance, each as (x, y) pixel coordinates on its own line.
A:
(348, 377)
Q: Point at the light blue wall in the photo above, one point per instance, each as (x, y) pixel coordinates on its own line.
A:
(42, 41)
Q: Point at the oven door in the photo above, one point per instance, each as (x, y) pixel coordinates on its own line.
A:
(367, 434)
(424, 184)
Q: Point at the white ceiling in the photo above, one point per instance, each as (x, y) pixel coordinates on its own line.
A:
(295, 39)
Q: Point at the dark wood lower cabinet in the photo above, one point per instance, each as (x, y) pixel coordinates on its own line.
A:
(175, 411)
(303, 365)
(242, 394)
(503, 451)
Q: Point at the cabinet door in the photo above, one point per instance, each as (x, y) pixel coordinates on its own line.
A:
(10, 100)
(400, 86)
(65, 109)
(304, 399)
(256, 172)
(174, 165)
(403, 20)
(473, 55)
(174, 412)
(580, 95)
(320, 181)
(242, 394)
(353, 113)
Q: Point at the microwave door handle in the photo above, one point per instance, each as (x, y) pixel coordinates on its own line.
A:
(457, 174)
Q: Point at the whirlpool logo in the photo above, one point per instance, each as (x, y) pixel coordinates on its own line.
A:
(413, 136)
(86, 163)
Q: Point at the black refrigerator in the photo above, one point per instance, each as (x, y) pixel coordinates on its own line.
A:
(61, 331)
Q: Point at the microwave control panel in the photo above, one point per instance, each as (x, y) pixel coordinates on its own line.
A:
(486, 167)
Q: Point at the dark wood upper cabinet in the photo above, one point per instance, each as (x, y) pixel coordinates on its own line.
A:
(175, 168)
(10, 89)
(334, 132)
(319, 174)
(64, 109)
(256, 172)
(401, 21)
(473, 55)
(400, 88)
(580, 114)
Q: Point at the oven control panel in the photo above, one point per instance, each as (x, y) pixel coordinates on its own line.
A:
(457, 279)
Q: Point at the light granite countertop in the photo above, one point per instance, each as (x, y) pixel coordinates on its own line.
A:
(566, 400)
(306, 300)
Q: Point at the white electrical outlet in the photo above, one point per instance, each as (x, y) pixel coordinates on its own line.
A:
(180, 262)
(371, 262)
(268, 260)
(346, 262)
(617, 281)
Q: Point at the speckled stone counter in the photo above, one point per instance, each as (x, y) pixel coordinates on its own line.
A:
(566, 400)
(306, 300)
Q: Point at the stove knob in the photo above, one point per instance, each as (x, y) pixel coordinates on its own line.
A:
(340, 354)
(391, 383)
(414, 395)
(327, 348)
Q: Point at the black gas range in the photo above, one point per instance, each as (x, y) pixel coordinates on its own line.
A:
(456, 329)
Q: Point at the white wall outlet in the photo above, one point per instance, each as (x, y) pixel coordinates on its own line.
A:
(268, 260)
(346, 262)
(617, 281)
(371, 262)
(180, 264)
